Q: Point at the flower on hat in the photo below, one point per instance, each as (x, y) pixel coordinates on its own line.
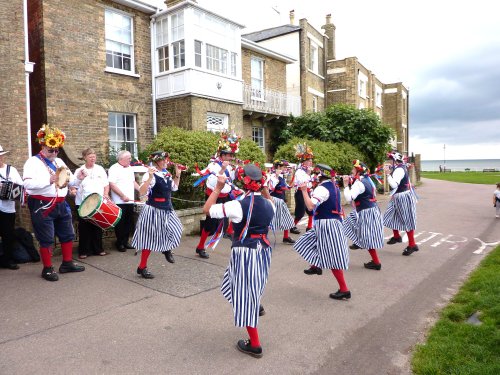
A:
(360, 166)
(50, 136)
(229, 143)
(303, 152)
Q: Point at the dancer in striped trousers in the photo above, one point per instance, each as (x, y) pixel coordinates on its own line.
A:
(401, 213)
(325, 246)
(282, 220)
(246, 276)
(364, 224)
(158, 227)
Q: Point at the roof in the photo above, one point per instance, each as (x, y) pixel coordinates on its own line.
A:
(253, 46)
(273, 32)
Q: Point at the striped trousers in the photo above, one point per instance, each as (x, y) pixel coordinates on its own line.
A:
(401, 213)
(365, 228)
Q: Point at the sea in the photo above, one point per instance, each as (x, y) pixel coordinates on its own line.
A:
(474, 165)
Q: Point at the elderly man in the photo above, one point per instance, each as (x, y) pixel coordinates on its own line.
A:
(122, 183)
(50, 213)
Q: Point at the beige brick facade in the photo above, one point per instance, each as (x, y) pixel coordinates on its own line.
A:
(274, 70)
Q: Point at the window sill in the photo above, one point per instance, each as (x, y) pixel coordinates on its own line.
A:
(121, 72)
(315, 73)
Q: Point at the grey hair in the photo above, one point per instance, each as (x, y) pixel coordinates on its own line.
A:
(122, 153)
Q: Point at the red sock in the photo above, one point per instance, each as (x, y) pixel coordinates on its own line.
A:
(395, 233)
(254, 336)
(144, 258)
(374, 255)
(203, 239)
(46, 255)
(286, 234)
(339, 275)
(67, 251)
(411, 238)
(230, 228)
(295, 221)
(310, 222)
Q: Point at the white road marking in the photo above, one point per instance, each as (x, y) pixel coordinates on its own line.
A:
(448, 239)
(484, 245)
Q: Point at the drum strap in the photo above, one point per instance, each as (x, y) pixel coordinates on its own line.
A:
(6, 178)
(52, 167)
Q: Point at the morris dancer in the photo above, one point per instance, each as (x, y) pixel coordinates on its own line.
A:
(364, 224)
(50, 213)
(325, 246)
(246, 276)
(226, 150)
(282, 220)
(302, 176)
(401, 213)
(158, 227)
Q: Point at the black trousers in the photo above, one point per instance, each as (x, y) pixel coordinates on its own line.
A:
(89, 237)
(300, 206)
(7, 226)
(210, 224)
(125, 226)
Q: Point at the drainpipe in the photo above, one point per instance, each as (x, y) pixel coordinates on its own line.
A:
(153, 82)
(28, 69)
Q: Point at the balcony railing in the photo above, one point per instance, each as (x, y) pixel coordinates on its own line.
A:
(271, 101)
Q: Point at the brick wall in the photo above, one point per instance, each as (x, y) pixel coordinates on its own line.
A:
(274, 70)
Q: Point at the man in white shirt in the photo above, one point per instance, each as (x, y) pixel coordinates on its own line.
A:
(302, 176)
(122, 184)
(50, 213)
(8, 175)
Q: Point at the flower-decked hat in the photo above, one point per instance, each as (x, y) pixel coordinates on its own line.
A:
(303, 152)
(360, 167)
(228, 143)
(396, 156)
(280, 163)
(50, 136)
(158, 156)
(253, 178)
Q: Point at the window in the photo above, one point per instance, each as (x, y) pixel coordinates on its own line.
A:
(362, 83)
(217, 122)
(258, 137)
(378, 96)
(163, 59)
(162, 32)
(197, 53)
(216, 59)
(119, 45)
(257, 75)
(313, 56)
(122, 132)
(315, 104)
(178, 54)
(177, 26)
(233, 64)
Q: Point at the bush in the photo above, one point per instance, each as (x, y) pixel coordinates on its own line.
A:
(339, 156)
(189, 148)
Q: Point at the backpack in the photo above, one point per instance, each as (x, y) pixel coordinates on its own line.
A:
(24, 248)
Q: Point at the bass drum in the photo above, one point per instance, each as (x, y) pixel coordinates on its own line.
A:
(100, 211)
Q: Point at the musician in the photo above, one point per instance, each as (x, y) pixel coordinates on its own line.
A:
(401, 213)
(364, 224)
(226, 150)
(8, 176)
(325, 246)
(50, 213)
(95, 181)
(122, 184)
(246, 276)
(277, 185)
(158, 227)
(303, 176)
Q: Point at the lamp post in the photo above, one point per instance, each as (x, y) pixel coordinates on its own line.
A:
(444, 156)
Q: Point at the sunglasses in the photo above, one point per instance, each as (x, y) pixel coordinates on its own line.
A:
(52, 151)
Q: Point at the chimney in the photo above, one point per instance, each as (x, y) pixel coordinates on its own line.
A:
(292, 17)
(329, 28)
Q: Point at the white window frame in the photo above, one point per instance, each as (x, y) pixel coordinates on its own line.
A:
(178, 54)
(362, 85)
(378, 96)
(163, 58)
(259, 137)
(234, 64)
(257, 78)
(217, 122)
(313, 56)
(216, 59)
(109, 12)
(198, 55)
(116, 124)
(314, 103)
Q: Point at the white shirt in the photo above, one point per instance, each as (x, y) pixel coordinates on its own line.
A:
(356, 189)
(212, 180)
(396, 177)
(301, 177)
(320, 194)
(36, 176)
(95, 182)
(124, 179)
(6, 205)
(497, 193)
(232, 209)
(160, 175)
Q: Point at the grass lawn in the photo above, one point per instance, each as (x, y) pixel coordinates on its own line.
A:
(457, 347)
(487, 178)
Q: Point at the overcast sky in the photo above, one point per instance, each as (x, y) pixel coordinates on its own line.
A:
(446, 52)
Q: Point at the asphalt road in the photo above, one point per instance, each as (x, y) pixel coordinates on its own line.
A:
(107, 320)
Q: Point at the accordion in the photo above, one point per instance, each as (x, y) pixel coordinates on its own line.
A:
(11, 191)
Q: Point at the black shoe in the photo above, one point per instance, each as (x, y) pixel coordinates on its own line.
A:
(169, 256)
(129, 246)
(295, 230)
(144, 272)
(373, 266)
(288, 240)
(70, 266)
(308, 229)
(202, 253)
(49, 274)
(409, 250)
(261, 310)
(394, 240)
(354, 247)
(10, 266)
(244, 347)
(313, 271)
(340, 295)
(121, 248)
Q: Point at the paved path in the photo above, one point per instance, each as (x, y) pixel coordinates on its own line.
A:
(107, 320)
